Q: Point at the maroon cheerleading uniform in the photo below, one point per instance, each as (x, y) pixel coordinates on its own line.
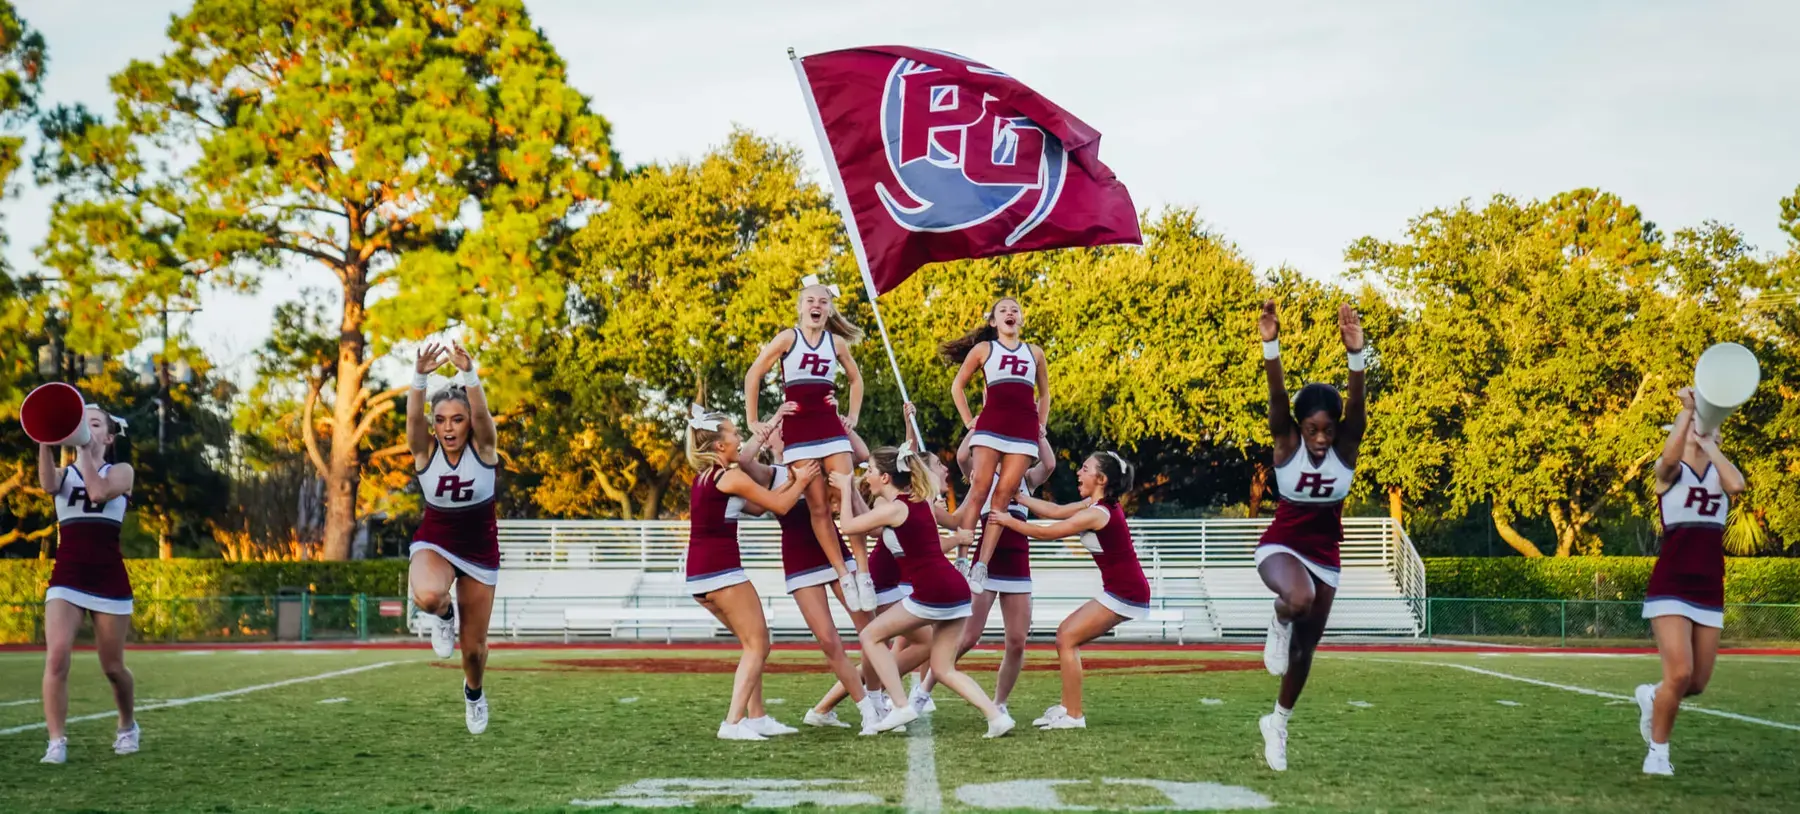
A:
(938, 591)
(803, 560)
(459, 523)
(1309, 520)
(713, 561)
(890, 585)
(1009, 570)
(1689, 576)
(1009, 419)
(808, 379)
(89, 571)
(1124, 590)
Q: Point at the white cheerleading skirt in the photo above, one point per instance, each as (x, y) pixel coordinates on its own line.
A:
(485, 576)
(87, 601)
(1323, 573)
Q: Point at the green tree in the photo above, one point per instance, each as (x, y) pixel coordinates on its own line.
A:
(428, 148)
(23, 302)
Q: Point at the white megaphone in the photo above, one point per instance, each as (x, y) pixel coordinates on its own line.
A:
(1724, 378)
(55, 414)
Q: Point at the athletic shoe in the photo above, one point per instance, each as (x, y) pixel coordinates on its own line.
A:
(1003, 709)
(738, 732)
(978, 578)
(443, 634)
(921, 700)
(1054, 712)
(1646, 701)
(57, 752)
(901, 716)
(1274, 734)
(475, 714)
(1654, 763)
(768, 727)
(1275, 647)
(1000, 725)
(1065, 722)
(813, 718)
(126, 742)
(852, 596)
(883, 704)
(962, 566)
(865, 591)
(872, 713)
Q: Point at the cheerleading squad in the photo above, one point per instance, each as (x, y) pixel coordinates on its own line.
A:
(869, 529)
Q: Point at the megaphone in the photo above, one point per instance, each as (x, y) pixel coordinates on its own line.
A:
(55, 414)
(1725, 377)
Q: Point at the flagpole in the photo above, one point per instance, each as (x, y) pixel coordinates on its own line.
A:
(842, 199)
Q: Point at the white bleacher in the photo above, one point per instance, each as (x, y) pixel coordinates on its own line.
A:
(1202, 576)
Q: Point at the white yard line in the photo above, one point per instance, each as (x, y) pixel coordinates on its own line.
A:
(922, 792)
(1596, 693)
(19, 703)
(198, 699)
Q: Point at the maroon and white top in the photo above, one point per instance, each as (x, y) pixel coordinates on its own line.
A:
(459, 522)
(90, 570)
(1009, 416)
(1124, 590)
(713, 561)
(1689, 577)
(1309, 520)
(808, 378)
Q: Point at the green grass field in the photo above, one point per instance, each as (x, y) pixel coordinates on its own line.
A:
(1376, 732)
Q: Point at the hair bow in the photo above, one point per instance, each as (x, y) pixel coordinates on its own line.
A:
(697, 419)
(811, 280)
(1123, 467)
(120, 422)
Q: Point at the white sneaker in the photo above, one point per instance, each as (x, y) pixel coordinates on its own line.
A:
(852, 596)
(921, 701)
(962, 566)
(1654, 763)
(899, 717)
(443, 634)
(57, 752)
(126, 743)
(1003, 709)
(865, 591)
(475, 713)
(883, 704)
(1054, 712)
(738, 732)
(1646, 701)
(1066, 722)
(872, 713)
(768, 727)
(978, 578)
(813, 718)
(1275, 647)
(1274, 734)
(1000, 725)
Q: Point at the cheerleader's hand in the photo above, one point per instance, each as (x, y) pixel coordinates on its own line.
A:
(1269, 324)
(963, 537)
(1707, 441)
(1350, 326)
(431, 357)
(788, 408)
(805, 471)
(1686, 396)
(839, 480)
(460, 358)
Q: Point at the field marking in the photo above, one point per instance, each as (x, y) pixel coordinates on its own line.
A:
(182, 702)
(1596, 693)
(922, 792)
(333, 700)
(19, 703)
(1509, 703)
(1361, 704)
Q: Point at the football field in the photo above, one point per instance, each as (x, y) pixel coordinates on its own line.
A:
(346, 730)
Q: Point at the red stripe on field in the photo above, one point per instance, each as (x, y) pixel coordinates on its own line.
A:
(851, 645)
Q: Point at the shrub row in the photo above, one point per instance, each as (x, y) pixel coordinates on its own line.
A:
(25, 580)
(1747, 579)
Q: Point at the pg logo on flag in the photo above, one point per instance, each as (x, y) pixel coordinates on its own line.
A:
(943, 158)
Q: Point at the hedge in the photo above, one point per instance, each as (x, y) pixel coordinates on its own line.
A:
(25, 580)
(1747, 579)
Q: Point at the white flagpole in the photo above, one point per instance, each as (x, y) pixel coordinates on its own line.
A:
(842, 200)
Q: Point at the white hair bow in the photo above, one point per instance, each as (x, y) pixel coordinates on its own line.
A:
(122, 424)
(697, 419)
(811, 280)
(1123, 467)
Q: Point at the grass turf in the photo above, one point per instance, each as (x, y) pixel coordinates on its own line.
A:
(1420, 737)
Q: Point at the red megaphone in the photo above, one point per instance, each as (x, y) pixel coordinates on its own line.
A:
(55, 414)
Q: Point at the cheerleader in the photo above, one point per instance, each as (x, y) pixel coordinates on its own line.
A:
(715, 573)
(1297, 557)
(1008, 582)
(1685, 601)
(904, 485)
(809, 578)
(1125, 593)
(1015, 408)
(89, 577)
(810, 356)
(457, 544)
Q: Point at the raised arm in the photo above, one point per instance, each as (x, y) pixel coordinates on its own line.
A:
(1356, 406)
(1046, 462)
(1282, 431)
(869, 520)
(1043, 387)
(854, 374)
(782, 343)
(1086, 519)
(1730, 479)
(970, 363)
(1051, 511)
(1668, 465)
(49, 469)
(117, 480)
(418, 426)
(481, 421)
(740, 484)
(748, 452)
(965, 455)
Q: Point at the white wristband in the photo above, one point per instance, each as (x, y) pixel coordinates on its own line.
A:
(1357, 361)
(420, 380)
(468, 379)
(1272, 349)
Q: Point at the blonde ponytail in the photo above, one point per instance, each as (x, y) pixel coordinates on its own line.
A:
(702, 434)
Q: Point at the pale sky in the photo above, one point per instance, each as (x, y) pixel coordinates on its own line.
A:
(1294, 128)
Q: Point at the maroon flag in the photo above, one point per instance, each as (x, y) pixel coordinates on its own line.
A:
(943, 158)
